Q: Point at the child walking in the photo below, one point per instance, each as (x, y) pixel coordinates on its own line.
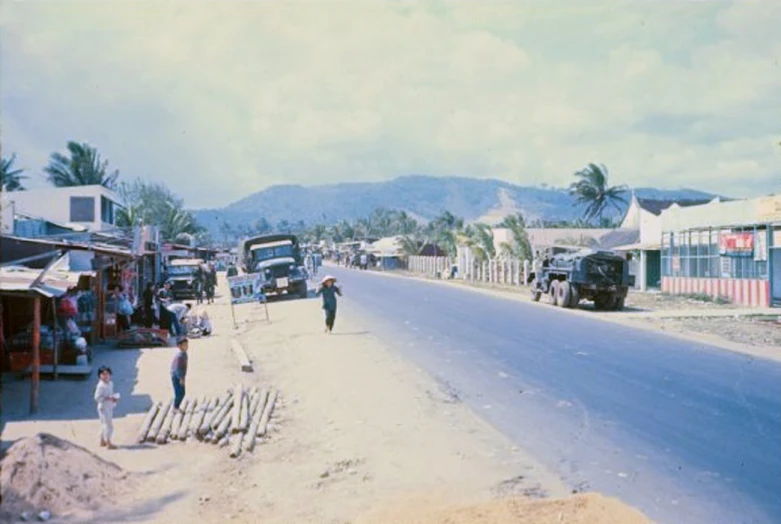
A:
(329, 290)
(179, 371)
(106, 400)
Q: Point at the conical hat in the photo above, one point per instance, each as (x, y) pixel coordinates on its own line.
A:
(327, 278)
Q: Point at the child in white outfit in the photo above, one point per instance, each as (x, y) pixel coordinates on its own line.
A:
(106, 400)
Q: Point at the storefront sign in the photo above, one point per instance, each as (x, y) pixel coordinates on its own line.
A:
(245, 289)
(736, 244)
(760, 246)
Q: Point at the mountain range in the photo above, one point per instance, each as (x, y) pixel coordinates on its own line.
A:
(422, 197)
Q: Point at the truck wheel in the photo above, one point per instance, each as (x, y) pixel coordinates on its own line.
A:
(619, 305)
(574, 298)
(303, 290)
(536, 294)
(605, 302)
(564, 294)
(553, 291)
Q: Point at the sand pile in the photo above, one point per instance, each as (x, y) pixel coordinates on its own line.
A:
(44, 472)
(590, 508)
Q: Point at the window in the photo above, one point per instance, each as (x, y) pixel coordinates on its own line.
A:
(106, 210)
(82, 209)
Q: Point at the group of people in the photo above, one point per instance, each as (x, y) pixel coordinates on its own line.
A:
(106, 399)
(313, 261)
(205, 281)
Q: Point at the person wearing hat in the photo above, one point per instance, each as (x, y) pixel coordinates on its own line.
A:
(329, 290)
(179, 371)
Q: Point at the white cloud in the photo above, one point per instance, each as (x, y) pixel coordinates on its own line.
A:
(221, 99)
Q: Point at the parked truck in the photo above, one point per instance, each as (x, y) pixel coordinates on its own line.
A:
(568, 276)
(278, 260)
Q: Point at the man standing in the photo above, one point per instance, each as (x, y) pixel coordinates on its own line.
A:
(179, 371)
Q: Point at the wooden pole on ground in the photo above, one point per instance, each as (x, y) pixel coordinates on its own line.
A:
(55, 346)
(249, 440)
(188, 416)
(150, 417)
(197, 418)
(236, 445)
(224, 425)
(36, 375)
(208, 421)
(244, 415)
(179, 418)
(205, 423)
(162, 437)
(238, 405)
(159, 421)
(263, 426)
(223, 413)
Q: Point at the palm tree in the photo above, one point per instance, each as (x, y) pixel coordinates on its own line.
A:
(404, 224)
(10, 178)
(410, 245)
(593, 191)
(130, 216)
(83, 168)
(480, 240)
(521, 247)
(176, 222)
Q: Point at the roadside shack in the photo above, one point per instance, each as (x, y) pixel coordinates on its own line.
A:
(34, 334)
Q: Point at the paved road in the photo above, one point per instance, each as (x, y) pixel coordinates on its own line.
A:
(686, 432)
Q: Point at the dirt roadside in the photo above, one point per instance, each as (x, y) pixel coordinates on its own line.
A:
(360, 435)
(755, 332)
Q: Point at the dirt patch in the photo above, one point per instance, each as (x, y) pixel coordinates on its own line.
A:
(46, 473)
(754, 331)
(587, 508)
(662, 301)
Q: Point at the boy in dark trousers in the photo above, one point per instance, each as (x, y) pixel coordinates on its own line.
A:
(329, 290)
(179, 371)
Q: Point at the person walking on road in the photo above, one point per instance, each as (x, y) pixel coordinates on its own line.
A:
(329, 290)
(179, 371)
(211, 283)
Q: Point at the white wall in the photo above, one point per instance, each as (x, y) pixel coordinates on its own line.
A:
(719, 214)
(53, 204)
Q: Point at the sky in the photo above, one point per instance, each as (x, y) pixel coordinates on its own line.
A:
(222, 99)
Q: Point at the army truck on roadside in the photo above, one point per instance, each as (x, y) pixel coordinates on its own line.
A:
(278, 261)
(567, 276)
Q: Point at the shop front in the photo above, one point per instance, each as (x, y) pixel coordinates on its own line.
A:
(729, 251)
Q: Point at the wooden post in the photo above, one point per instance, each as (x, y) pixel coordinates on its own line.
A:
(238, 405)
(36, 376)
(145, 427)
(266, 416)
(54, 337)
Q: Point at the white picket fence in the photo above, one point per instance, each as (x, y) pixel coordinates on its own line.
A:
(495, 271)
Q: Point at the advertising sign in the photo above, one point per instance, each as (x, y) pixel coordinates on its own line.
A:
(245, 289)
(736, 244)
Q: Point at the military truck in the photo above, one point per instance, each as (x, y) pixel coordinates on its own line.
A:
(567, 277)
(278, 260)
(181, 273)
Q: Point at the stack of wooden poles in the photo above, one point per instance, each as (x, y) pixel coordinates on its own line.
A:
(236, 419)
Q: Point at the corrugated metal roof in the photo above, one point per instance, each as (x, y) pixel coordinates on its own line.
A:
(19, 279)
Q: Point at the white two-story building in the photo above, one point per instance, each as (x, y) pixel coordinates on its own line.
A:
(94, 208)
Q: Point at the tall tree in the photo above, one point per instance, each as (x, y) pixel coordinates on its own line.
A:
(10, 178)
(480, 240)
(592, 190)
(83, 167)
(520, 247)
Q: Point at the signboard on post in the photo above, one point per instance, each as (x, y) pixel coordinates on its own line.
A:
(245, 289)
(736, 244)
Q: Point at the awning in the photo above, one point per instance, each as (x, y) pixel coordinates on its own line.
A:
(639, 247)
(18, 279)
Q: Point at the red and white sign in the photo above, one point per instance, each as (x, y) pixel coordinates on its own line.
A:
(736, 244)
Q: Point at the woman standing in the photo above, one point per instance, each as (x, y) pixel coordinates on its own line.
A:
(329, 290)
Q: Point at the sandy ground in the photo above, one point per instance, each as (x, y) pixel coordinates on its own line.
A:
(360, 435)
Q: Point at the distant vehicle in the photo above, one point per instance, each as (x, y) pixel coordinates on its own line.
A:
(569, 276)
(277, 258)
(181, 273)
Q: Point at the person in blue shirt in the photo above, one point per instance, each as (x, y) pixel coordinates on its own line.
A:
(328, 289)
